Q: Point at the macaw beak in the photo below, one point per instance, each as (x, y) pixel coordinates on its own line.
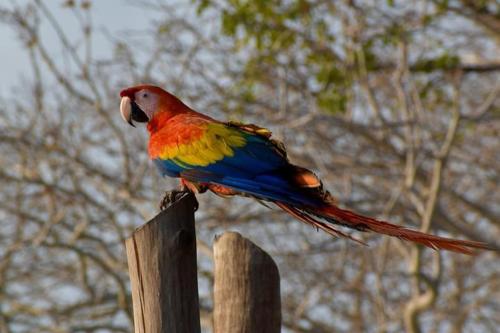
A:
(132, 112)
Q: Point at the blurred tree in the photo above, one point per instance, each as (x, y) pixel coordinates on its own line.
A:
(394, 103)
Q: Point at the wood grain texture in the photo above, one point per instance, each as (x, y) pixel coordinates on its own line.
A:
(162, 266)
(246, 287)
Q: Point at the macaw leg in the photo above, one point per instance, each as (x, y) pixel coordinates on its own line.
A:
(172, 196)
(185, 189)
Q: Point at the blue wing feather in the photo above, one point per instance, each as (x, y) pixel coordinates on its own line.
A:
(257, 169)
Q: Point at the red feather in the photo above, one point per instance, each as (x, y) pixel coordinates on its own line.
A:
(365, 223)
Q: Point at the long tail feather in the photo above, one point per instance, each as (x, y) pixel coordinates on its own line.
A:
(307, 219)
(350, 219)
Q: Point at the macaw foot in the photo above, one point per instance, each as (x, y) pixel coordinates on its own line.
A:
(174, 195)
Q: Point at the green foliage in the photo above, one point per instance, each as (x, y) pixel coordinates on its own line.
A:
(442, 5)
(299, 33)
(371, 58)
(441, 62)
(270, 29)
(332, 100)
(203, 4)
(394, 33)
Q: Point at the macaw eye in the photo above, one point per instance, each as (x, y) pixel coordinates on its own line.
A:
(145, 95)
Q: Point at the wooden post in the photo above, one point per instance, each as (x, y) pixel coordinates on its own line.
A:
(246, 287)
(162, 266)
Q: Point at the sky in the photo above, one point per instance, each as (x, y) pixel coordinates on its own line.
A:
(113, 16)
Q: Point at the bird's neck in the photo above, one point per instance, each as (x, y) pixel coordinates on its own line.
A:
(169, 107)
(158, 121)
(161, 118)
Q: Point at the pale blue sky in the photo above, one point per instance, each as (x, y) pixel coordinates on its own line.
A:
(114, 16)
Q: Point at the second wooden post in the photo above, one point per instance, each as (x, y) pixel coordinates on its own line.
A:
(246, 287)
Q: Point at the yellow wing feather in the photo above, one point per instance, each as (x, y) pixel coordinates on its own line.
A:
(218, 141)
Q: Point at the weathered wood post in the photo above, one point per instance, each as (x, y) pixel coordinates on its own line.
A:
(246, 287)
(162, 266)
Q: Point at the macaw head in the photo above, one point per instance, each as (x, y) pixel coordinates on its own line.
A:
(141, 103)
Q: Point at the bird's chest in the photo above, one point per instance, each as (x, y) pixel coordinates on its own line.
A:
(165, 143)
(168, 144)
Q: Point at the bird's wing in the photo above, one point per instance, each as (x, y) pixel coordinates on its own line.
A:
(241, 157)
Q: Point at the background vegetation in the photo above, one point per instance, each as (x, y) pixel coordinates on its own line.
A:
(395, 104)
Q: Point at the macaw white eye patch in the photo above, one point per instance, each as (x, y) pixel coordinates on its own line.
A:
(147, 101)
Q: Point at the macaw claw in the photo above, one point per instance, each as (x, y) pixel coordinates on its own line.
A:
(175, 195)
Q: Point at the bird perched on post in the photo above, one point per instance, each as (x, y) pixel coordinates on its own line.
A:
(242, 159)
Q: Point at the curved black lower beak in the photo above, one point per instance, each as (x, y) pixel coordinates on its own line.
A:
(137, 114)
(132, 112)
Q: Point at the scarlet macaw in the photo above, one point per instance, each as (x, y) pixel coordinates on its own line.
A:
(238, 159)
